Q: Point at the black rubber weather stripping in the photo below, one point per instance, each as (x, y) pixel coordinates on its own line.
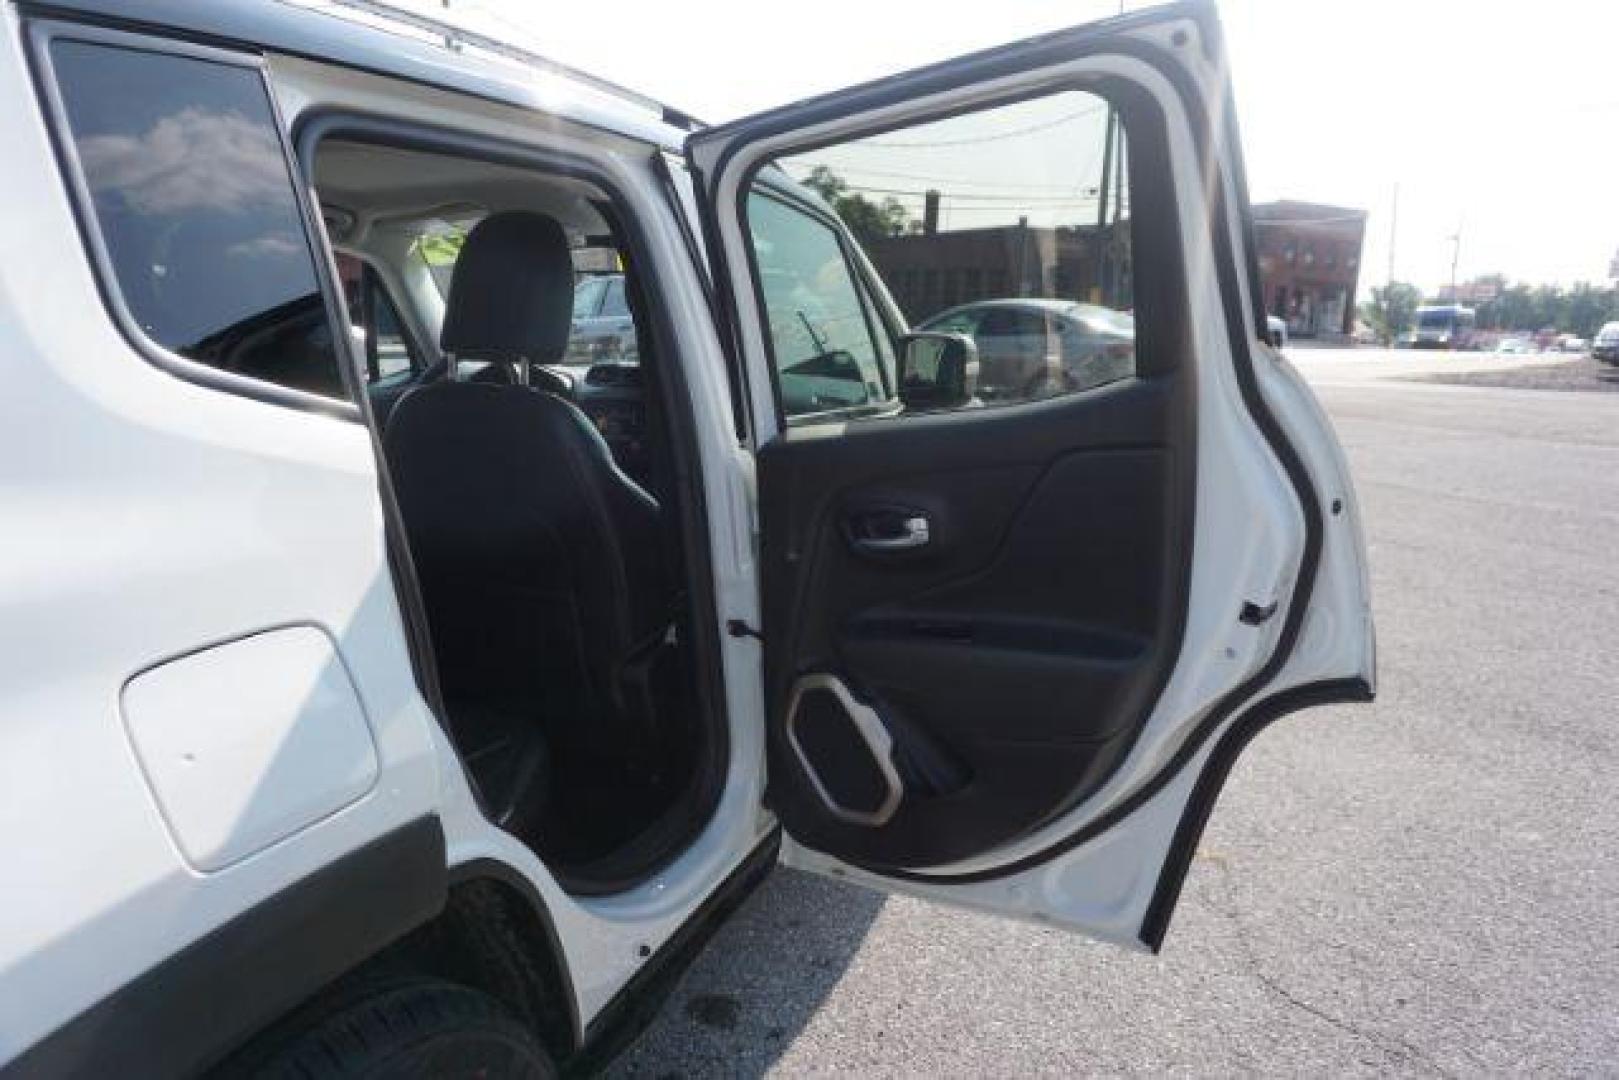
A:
(637, 1003)
(1195, 815)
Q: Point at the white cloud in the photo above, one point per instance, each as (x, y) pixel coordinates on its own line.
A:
(195, 159)
(275, 245)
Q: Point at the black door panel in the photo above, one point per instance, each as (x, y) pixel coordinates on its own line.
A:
(1012, 657)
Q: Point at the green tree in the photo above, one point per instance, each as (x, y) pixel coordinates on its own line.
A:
(1580, 310)
(1392, 309)
(1514, 309)
(868, 220)
(1588, 307)
(1489, 311)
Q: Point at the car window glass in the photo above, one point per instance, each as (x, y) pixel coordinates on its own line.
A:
(378, 330)
(1014, 347)
(823, 337)
(603, 327)
(393, 352)
(587, 297)
(613, 305)
(1098, 346)
(195, 205)
(993, 223)
(958, 322)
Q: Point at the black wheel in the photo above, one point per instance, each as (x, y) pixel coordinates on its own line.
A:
(416, 1028)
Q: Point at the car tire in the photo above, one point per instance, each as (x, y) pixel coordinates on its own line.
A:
(406, 1029)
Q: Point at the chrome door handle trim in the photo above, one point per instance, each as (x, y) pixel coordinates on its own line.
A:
(915, 533)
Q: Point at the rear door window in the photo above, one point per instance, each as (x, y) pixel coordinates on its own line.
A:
(193, 199)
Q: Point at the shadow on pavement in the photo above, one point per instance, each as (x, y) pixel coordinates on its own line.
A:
(758, 982)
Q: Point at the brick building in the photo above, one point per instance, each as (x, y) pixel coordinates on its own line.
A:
(1309, 264)
(930, 271)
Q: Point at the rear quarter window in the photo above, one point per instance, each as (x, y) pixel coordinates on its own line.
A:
(192, 195)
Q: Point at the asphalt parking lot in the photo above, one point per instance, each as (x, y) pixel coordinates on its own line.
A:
(1535, 373)
(1423, 886)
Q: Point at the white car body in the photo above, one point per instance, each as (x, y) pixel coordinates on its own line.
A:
(208, 706)
(1277, 328)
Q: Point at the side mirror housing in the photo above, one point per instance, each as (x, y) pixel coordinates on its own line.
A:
(937, 371)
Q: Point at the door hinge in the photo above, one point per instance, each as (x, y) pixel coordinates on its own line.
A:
(739, 629)
(1253, 614)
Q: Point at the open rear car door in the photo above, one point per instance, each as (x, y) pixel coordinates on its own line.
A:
(1010, 653)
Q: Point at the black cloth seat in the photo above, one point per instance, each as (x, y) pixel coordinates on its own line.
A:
(539, 561)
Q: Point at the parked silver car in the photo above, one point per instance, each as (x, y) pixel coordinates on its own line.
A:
(602, 326)
(1605, 346)
(1037, 347)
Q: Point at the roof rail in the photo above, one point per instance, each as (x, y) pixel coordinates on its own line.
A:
(458, 37)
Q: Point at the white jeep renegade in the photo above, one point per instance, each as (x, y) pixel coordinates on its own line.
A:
(390, 685)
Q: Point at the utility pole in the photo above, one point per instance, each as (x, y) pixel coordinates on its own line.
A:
(1103, 235)
(1101, 207)
(1394, 228)
(1455, 258)
(1116, 242)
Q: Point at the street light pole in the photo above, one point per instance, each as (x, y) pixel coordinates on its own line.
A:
(1455, 258)
(1394, 228)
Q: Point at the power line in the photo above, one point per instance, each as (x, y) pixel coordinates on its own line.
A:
(1279, 222)
(1047, 125)
(998, 200)
(938, 181)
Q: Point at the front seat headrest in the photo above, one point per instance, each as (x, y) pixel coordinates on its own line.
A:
(511, 294)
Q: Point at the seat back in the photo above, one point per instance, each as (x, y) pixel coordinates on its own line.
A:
(539, 560)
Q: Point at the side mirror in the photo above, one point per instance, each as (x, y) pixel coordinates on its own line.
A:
(937, 371)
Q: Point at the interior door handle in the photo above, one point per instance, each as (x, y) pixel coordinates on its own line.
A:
(891, 532)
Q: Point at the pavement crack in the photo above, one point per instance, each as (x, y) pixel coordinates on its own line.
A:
(1393, 1046)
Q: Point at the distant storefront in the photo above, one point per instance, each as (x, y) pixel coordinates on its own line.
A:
(1309, 264)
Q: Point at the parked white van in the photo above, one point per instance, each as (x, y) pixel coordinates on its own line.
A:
(385, 692)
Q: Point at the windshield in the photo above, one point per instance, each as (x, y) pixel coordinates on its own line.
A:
(1436, 320)
(1106, 320)
(603, 327)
